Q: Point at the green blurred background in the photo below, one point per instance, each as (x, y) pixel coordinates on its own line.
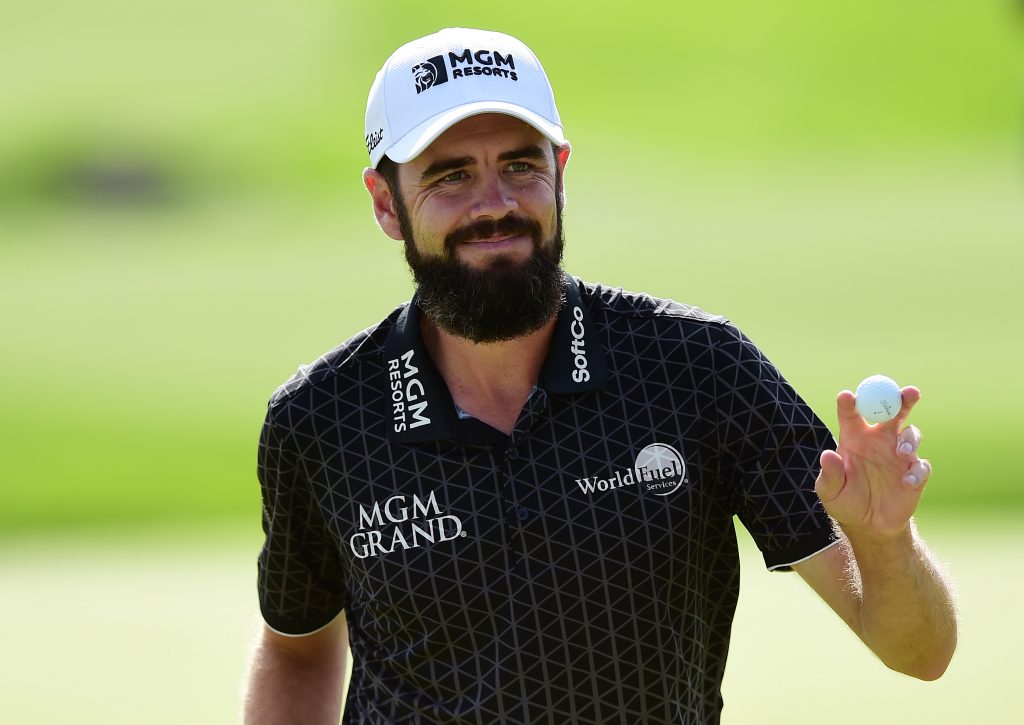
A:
(182, 223)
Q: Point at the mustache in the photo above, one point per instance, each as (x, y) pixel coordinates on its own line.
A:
(507, 226)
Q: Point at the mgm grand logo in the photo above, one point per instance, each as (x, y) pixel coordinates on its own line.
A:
(659, 470)
(402, 522)
(434, 71)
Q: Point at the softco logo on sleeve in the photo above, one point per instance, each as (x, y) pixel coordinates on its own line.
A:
(433, 71)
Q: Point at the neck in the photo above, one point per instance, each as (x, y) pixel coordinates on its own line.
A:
(490, 380)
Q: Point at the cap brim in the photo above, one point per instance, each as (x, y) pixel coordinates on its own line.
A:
(413, 143)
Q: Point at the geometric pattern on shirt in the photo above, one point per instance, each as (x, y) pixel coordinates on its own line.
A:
(557, 605)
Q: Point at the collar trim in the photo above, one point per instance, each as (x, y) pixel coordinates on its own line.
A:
(419, 406)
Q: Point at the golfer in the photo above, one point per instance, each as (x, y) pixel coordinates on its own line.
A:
(513, 498)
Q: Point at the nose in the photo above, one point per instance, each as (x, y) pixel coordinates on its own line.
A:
(494, 198)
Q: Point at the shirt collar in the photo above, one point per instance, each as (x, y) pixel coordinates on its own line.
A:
(419, 406)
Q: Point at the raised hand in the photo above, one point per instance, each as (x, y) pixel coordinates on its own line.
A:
(872, 484)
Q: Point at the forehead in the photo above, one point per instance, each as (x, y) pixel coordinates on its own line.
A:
(489, 133)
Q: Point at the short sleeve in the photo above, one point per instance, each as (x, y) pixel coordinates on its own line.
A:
(300, 578)
(771, 443)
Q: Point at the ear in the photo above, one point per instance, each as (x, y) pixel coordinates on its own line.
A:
(383, 203)
(562, 155)
(562, 158)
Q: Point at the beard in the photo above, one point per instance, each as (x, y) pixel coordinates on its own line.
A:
(507, 299)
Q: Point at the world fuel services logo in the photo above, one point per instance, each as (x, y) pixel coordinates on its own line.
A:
(659, 470)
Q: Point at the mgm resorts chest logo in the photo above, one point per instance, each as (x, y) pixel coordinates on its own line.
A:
(659, 469)
(434, 71)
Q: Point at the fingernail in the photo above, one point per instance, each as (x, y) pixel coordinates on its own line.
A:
(906, 447)
(911, 479)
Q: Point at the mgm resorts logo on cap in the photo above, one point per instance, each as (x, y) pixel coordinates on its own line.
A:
(467, 72)
(433, 72)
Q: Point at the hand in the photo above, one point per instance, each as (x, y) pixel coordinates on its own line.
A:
(871, 485)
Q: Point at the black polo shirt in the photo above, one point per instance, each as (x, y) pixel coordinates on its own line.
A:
(583, 568)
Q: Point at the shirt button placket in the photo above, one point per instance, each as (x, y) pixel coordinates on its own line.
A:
(516, 514)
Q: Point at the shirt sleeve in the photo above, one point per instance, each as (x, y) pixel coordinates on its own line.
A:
(771, 443)
(300, 577)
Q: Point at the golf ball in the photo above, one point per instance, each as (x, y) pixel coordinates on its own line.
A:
(878, 399)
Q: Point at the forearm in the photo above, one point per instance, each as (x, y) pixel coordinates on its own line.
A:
(907, 612)
(287, 687)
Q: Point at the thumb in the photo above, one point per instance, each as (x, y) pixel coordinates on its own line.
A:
(832, 477)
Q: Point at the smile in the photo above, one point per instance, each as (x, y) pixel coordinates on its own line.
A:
(497, 243)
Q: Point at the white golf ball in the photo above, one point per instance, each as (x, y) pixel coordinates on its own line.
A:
(878, 399)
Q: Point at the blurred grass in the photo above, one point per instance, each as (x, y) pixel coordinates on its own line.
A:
(182, 222)
(228, 94)
(792, 660)
(144, 348)
(179, 601)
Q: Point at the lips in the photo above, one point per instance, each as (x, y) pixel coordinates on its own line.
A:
(495, 232)
(497, 241)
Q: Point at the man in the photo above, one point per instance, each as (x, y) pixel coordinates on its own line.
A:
(514, 497)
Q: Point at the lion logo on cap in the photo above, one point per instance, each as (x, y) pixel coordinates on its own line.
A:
(425, 75)
(429, 73)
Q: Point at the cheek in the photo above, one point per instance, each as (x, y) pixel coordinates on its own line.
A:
(433, 221)
(436, 208)
(540, 203)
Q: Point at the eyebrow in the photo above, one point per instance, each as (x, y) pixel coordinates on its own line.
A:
(527, 152)
(443, 166)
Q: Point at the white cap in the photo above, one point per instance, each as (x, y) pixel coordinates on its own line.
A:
(430, 84)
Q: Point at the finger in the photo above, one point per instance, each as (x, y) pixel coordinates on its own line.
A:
(846, 410)
(908, 441)
(919, 473)
(832, 476)
(910, 395)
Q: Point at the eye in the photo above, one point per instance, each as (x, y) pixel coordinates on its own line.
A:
(519, 167)
(453, 176)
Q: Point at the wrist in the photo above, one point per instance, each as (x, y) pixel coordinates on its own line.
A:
(871, 543)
